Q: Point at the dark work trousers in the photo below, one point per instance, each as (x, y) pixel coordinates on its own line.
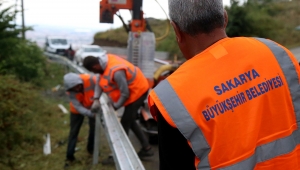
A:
(128, 120)
(76, 121)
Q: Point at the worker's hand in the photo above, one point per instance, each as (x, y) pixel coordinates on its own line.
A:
(95, 106)
(90, 114)
(110, 102)
(114, 106)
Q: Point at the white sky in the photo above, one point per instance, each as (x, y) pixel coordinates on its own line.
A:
(81, 13)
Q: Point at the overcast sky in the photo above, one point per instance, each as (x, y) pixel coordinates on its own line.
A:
(81, 13)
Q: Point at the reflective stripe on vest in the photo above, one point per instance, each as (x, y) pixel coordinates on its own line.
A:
(113, 85)
(137, 82)
(109, 76)
(184, 122)
(187, 126)
(92, 84)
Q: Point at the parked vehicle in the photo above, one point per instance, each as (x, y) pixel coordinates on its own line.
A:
(88, 50)
(57, 45)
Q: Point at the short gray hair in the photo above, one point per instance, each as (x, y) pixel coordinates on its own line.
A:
(197, 16)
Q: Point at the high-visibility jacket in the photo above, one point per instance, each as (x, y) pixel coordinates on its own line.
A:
(137, 82)
(85, 98)
(238, 105)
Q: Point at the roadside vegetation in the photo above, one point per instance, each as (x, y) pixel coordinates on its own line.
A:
(270, 19)
(29, 106)
(266, 18)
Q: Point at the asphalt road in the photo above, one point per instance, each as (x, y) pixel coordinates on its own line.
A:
(150, 163)
(296, 52)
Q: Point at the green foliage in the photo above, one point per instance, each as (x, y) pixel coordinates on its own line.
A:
(22, 118)
(118, 35)
(18, 57)
(27, 113)
(252, 19)
(266, 19)
(238, 23)
(27, 65)
(169, 43)
(8, 30)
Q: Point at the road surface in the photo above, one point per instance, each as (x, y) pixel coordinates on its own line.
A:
(296, 52)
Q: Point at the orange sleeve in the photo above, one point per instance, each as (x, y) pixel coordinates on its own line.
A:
(152, 107)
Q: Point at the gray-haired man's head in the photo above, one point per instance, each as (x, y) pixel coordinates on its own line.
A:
(197, 16)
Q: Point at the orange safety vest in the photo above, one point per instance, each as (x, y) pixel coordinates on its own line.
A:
(85, 98)
(137, 82)
(237, 104)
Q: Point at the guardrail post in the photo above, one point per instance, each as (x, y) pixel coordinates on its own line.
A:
(97, 137)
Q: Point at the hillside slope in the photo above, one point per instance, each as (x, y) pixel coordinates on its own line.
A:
(118, 37)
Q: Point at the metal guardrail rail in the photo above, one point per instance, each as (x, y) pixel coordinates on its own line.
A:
(66, 62)
(123, 150)
(124, 154)
(159, 61)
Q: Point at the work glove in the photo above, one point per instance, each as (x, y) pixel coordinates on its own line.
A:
(90, 114)
(110, 102)
(114, 106)
(95, 106)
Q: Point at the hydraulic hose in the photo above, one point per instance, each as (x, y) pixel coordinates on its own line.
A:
(168, 25)
(163, 68)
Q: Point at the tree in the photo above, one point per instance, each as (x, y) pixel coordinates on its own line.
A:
(252, 18)
(18, 57)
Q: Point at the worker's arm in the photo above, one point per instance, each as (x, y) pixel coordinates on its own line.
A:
(173, 146)
(78, 106)
(97, 93)
(97, 90)
(120, 79)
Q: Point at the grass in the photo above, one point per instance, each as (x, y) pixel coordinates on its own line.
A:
(45, 117)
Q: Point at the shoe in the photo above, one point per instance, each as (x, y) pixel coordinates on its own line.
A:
(108, 161)
(68, 163)
(145, 153)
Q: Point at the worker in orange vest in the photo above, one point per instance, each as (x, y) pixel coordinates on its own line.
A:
(126, 85)
(233, 105)
(80, 89)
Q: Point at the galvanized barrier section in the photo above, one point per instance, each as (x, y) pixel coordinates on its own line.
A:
(123, 150)
(63, 60)
(159, 61)
(124, 154)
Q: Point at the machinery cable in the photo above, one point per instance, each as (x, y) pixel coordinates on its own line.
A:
(168, 24)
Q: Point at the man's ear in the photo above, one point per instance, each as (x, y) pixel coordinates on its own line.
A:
(225, 18)
(179, 36)
(94, 67)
